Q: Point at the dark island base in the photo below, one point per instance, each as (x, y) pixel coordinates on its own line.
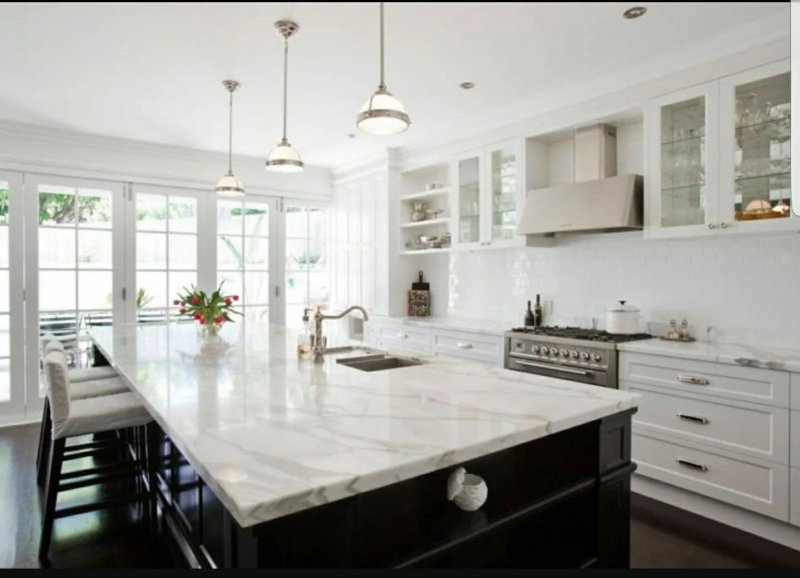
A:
(562, 501)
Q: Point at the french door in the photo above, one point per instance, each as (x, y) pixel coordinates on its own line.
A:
(12, 350)
(73, 241)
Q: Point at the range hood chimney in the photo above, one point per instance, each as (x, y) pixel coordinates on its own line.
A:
(598, 201)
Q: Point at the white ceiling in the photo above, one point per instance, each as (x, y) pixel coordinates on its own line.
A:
(153, 71)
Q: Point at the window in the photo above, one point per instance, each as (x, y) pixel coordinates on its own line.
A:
(5, 340)
(243, 255)
(307, 261)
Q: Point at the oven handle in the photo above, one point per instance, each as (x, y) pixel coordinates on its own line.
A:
(553, 367)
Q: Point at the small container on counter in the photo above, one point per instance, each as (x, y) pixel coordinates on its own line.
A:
(622, 318)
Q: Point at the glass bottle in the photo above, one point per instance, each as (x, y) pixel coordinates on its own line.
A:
(529, 319)
(537, 312)
(304, 339)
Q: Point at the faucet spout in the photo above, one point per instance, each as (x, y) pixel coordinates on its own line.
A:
(319, 340)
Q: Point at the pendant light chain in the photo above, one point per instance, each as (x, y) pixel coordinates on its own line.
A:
(383, 84)
(230, 134)
(285, 80)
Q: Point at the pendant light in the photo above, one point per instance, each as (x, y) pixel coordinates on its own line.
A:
(382, 113)
(229, 185)
(284, 158)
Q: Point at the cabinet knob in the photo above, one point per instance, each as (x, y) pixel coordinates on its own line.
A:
(712, 226)
(724, 225)
(464, 345)
(402, 335)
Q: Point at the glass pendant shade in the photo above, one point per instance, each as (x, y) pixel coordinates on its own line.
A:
(230, 186)
(284, 158)
(382, 113)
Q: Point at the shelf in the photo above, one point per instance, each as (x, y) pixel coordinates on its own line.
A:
(692, 186)
(426, 194)
(425, 251)
(768, 176)
(765, 123)
(425, 223)
(469, 216)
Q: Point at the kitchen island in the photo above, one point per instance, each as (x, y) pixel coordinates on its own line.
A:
(269, 460)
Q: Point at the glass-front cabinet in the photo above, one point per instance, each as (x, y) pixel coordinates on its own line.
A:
(719, 156)
(755, 161)
(681, 187)
(489, 189)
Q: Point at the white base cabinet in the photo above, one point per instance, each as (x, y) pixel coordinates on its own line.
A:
(718, 430)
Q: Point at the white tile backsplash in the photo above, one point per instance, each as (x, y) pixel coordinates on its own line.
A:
(746, 288)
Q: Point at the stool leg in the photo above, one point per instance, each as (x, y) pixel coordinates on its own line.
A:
(44, 444)
(55, 460)
(151, 433)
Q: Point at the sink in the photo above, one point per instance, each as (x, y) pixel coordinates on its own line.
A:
(379, 362)
(349, 349)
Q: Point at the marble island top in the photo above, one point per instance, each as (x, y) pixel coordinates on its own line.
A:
(272, 434)
(783, 359)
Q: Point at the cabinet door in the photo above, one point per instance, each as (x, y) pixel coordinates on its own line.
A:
(755, 138)
(468, 170)
(682, 182)
(504, 193)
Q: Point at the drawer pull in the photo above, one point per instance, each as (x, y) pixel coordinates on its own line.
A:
(402, 335)
(693, 418)
(692, 465)
(693, 380)
(465, 345)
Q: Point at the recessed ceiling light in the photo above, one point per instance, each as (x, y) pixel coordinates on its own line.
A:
(467, 85)
(634, 12)
(351, 135)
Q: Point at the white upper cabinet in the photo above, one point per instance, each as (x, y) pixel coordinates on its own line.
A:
(489, 194)
(718, 156)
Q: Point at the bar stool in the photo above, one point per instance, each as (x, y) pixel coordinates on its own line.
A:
(70, 418)
(87, 383)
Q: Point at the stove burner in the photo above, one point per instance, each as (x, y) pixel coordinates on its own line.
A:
(581, 333)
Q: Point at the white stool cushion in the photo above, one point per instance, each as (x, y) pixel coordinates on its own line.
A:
(96, 387)
(54, 345)
(55, 372)
(98, 414)
(91, 373)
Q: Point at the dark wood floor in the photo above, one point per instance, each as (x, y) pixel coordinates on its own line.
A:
(661, 536)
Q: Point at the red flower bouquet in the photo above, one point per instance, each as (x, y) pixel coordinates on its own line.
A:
(210, 311)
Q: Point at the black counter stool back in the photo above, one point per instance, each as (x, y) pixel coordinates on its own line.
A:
(71, 418)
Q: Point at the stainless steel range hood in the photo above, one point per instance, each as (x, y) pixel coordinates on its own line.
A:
(597, 202)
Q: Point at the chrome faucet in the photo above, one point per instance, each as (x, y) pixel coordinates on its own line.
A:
(319, 346)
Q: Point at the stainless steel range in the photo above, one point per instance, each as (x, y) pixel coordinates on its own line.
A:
(573, 353)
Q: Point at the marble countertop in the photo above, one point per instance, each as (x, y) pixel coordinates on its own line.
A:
(448, 323)
(272, 434)
(783, 359)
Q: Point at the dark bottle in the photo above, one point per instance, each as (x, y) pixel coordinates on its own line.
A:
(529, 318)
(537, 312)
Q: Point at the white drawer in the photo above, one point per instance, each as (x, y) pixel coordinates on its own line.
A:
(794, 439)
(762, 488)
(756, 430)
(794, 500)
(470, 345)
(394, 337)
(795, 393)
(715, 379)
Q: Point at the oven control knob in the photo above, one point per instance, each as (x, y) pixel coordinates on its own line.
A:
(534, 349)
(544, 350)
(564, 353)
(553, 351)
(584, 356)
(596, 357)
(573, 354)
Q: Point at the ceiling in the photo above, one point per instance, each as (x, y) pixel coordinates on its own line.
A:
(153, 71)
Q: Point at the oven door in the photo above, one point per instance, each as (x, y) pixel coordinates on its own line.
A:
(522, 362)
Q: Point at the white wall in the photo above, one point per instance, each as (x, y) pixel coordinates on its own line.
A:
(745, 287)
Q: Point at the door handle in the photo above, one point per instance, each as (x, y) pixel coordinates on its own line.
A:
(693, 418)
(552, 367)
(402, 335)
(693, 380)
(693, 465)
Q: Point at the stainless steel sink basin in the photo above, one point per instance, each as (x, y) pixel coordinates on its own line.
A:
(379, 362)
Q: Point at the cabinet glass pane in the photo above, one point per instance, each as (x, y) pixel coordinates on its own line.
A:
(761, 151)
(504, 194)
(469, 200)
(683, 163)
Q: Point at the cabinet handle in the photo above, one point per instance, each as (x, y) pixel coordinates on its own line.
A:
(692, 465)
(465, 345)
(693, 380)
(712, 226)
(724, 225)
(693, 418)
(402, 335)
